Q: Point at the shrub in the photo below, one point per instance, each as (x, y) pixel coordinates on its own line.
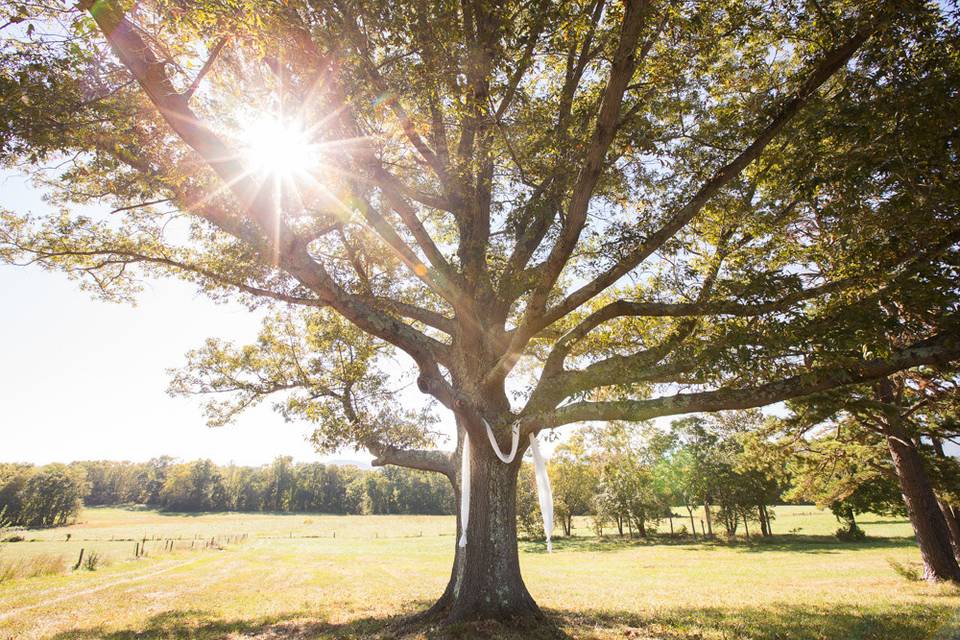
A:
(850, 533)
(92, 561)
(909, 572)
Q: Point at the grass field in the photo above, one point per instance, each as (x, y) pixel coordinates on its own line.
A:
(318, 576)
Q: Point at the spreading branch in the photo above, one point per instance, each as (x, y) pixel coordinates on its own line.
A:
(938, 350)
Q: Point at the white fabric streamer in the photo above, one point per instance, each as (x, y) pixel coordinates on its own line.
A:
(464, 490)
(544, 491)
(513, 444)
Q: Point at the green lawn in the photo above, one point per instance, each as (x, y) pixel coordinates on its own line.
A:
(309, 576)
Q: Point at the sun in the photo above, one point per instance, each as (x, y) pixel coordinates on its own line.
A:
(282, 148)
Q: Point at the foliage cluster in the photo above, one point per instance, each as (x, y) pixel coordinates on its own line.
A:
(632, 480)
(48, 496)
(281, 486)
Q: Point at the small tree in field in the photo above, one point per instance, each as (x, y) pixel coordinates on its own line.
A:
(573, 478)
(886, 446)
(529, 521)
(555, 212)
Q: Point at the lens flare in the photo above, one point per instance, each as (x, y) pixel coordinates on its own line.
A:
(277, 147)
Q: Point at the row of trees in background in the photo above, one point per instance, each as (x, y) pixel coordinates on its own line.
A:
(51, 495)
(47, 496)
(731, 468)
(635, 481)
(281, 486)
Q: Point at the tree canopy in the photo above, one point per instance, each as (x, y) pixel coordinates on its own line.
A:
(559, 211)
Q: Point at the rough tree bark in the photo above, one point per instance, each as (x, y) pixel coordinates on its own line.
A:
(486, 581)
(950, 512)
(929, 525)
(953, 524)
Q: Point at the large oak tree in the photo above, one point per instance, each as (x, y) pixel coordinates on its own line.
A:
(559, 211)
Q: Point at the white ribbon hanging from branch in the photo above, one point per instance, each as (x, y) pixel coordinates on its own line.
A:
(514, 442)
(544, 492)
(464, 490)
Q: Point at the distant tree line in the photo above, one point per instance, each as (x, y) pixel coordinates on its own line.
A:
(48, 496)
(634, 481)
(719, 474)
(730, 469)
(281, 486)
(52, 495)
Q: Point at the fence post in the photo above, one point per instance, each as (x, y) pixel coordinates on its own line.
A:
(79, 560)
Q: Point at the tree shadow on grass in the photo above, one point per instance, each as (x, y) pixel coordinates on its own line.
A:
(782, 542)
(614, 543)
(202, 625)
(822, 544)
(776, 622)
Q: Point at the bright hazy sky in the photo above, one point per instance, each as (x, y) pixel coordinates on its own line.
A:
(83, 379)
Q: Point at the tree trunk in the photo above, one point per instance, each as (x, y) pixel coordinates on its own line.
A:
(706, 511)
(764, 524)
(485, 582)
(693, 525)
(929, 525)
(953, 525)
(950, 512)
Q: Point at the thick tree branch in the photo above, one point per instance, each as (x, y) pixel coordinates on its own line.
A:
(394, 192)
(832, 63)
(422, 459)
(205, 69)
(621, 71)
(139, 59)
(938, 350)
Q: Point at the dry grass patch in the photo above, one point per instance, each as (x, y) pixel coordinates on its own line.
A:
(43, 564)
